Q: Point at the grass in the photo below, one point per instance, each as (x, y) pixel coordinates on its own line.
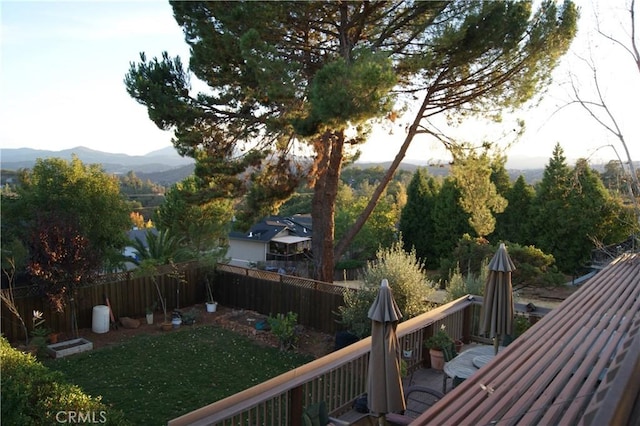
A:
(155, 378)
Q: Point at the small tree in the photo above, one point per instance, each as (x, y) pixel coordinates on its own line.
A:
(6, 296)
(408, 282)
(284, 326)
(61, 260)
(407, 278)
(83, 195)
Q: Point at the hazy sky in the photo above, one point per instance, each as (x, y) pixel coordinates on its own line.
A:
(63, 65)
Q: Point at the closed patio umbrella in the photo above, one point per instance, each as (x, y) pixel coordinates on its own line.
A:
(497, 308)
(385, 394)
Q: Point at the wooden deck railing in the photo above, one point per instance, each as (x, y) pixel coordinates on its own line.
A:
(340, 377)
(337, 378)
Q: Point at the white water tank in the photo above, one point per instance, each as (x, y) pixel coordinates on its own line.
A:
(100, 320)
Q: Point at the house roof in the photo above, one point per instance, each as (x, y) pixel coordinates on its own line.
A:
(578, 365)
(141, 234)
(269, 227)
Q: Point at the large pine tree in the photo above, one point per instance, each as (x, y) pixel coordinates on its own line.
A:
(319, 73)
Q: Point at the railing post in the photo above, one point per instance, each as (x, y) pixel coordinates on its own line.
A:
(467, 318)
(295, 406)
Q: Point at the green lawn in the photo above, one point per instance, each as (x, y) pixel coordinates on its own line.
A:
(153, 379)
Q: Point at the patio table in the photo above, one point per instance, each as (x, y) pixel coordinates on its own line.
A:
(467, 363)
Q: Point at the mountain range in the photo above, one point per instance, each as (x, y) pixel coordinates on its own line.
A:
(165, 166)
(156, 161)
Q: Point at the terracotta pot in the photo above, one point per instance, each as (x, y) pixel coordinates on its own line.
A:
(166, 326)
(437, 359)
(459, 344)
(53, 338)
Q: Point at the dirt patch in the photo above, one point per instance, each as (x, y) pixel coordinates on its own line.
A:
(243, 322)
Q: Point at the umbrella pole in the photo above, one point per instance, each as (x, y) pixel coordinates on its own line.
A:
(496, 343)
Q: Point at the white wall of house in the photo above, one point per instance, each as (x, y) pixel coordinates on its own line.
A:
(243, 252)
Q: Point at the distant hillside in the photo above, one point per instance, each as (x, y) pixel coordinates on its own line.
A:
(154, 162)
(166, 167)
(531, 176)
(168, 177)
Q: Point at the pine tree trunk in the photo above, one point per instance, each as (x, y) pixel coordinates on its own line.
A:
(342, 245)
(328, 164)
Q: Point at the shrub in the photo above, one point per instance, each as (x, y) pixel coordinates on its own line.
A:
(34, 395)
(520, 325)
(460, 285)
(354, 313)
(468, 255)
(534, 268)
(284, 326)
(407, 279)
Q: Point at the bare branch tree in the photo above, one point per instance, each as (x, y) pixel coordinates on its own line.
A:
(597, 106)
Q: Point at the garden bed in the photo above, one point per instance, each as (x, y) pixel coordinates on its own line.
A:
(69, 347)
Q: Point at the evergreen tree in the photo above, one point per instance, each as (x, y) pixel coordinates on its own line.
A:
(416, 222)
(499, 175)
(201, 225)
(574, 212)
(552, 223)
(613, 176)
(596, 217)
(450, 220)
(515, 222)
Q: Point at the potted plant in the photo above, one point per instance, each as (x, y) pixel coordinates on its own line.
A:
(407, 352)
(436, 344)
(176, 318)
(149, 312)
(212, 305)
(189, 317)
(53, 337)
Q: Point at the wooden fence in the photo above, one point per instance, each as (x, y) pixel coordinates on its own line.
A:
(129, 294)
(315, 302)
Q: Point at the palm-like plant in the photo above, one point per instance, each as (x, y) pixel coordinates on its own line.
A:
(161, 248)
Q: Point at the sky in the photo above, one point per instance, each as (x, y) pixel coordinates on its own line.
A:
(63, 64)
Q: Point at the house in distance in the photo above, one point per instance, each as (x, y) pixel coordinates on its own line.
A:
(279, 243)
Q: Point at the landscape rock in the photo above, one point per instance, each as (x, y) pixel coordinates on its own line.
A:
(129, 322)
